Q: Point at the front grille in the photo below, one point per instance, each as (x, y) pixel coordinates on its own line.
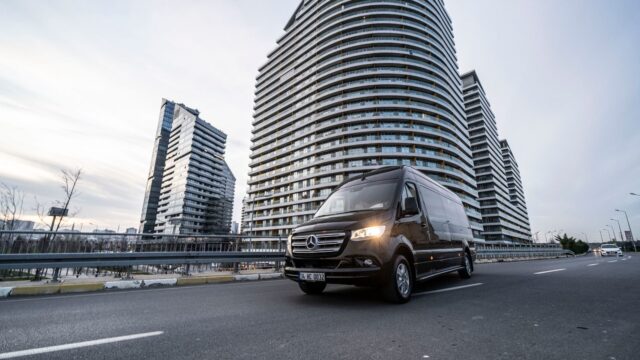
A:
(329, 242)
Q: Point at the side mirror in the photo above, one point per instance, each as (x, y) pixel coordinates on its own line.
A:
(410, 207)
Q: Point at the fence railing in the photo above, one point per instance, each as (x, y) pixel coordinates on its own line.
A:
(64, 252)
(520, 251)
(123, 253)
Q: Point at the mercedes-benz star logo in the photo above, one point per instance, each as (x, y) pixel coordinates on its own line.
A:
(312, 242)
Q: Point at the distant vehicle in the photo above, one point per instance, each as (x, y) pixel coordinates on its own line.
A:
(387, 228)
(610, 249)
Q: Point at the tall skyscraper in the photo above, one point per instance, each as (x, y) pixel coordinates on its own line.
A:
(154, 181)
(501, 218)
(190, 187)
(514, 184)
(353, 86)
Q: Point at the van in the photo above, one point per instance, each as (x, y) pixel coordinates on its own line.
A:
(388, 228)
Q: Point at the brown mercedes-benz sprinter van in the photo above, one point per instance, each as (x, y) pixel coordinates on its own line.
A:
(388, 228)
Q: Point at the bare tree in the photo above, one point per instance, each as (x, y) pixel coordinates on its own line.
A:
(70, 181)
(11, 206)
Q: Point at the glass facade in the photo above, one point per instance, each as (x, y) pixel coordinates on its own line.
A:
(154, 181)
(353, 86)
(193, 193)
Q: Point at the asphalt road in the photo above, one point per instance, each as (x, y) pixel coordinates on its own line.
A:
(508, 312)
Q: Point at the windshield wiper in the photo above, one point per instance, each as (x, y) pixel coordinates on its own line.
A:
(348, 212)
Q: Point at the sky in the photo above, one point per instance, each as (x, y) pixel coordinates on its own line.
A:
(81, 84)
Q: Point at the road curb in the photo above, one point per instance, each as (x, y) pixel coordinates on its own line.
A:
(200, 280)
(49, 289)
(78, 288)
(5, 291)
(123, 284)
(247, 277)
(269, 276)
(35, 290)
(160, 282)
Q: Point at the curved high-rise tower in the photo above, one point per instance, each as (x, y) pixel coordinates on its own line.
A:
(354, 85)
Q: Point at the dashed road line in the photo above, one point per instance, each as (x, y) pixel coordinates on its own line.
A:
(548, 271)
(612, 261)
(592, 265)
(48, 349)
(449, 289)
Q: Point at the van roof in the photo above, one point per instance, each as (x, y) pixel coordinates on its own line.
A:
(380, 171)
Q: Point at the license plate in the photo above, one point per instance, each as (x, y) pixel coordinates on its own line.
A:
(311, 276)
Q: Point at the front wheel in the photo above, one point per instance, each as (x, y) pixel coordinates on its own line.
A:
(312, 288)
(467, 268)
(399, 284)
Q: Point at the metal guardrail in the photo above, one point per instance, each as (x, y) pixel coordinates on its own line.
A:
(520, 251)
(28, 250)
(97, 260)
(117, 253)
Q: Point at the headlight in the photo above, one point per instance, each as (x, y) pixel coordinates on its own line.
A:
(368, 232)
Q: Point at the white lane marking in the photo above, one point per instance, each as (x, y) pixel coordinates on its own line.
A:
(612, 261)
(548, 271)
(76, 345)
(449, 289)
(624, 259)
(592, 265)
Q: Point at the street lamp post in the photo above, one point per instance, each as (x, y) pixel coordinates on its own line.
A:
(601, 239)
(633, 240)
(619, 228)
(586, 237)
(613, 231)
(609, 233)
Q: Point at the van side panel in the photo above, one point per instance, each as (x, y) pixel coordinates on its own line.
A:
(439, 236)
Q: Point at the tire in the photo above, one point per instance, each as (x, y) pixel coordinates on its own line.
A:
(467, 268)
(399, 282)
(312, 288)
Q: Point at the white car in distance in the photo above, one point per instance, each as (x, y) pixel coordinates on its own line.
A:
(610, 249)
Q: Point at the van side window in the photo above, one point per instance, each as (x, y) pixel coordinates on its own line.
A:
(436, 212)
(454, 211)
(408, 191)
(459, 224)
(433, 202)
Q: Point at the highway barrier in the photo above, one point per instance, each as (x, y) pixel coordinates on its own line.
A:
(500, 251)
(58, 256)
(50, 289)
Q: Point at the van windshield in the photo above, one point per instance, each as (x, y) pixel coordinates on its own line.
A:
(360, 197)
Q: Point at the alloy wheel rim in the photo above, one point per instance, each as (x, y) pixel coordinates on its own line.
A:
(403, 281)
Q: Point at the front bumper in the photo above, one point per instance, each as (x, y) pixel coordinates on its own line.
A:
(348, 276)
(337, 270)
